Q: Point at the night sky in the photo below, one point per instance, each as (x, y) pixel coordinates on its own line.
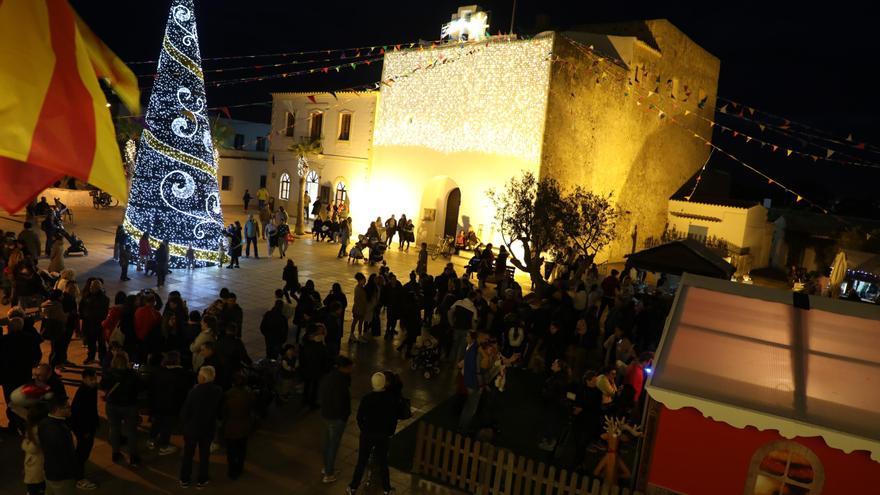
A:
(813, 64)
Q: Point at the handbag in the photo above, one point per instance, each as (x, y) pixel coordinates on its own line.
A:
(117, 336)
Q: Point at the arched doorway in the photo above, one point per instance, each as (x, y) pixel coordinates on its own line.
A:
(453, 202)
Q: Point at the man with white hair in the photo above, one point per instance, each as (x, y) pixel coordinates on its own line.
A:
(198, 419)
(377, 419)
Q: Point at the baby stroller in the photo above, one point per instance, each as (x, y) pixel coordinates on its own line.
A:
(427, 355)
(356, 252)
(473, 265)
(76, 244)
(377, 252)
(261, 379)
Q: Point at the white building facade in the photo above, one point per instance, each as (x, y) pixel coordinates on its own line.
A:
(343, 124)
(244, 156)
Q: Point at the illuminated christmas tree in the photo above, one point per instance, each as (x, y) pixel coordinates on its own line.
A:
(174, 194)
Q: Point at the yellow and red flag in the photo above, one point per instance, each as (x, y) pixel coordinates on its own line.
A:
(54, 118)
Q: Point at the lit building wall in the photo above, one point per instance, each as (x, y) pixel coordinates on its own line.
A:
(597, 136)
(342, 161)
(471, 122)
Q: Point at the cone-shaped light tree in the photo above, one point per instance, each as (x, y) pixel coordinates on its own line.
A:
(174, 194)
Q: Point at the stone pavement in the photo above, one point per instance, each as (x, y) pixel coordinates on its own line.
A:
(284, 453)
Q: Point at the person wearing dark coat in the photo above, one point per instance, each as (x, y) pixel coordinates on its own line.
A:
(162, 258)
(232, 312)
(232, 351)
(290, 276)
(93, 309)
(197, 420)
(314, 362)
(332, 318)
(274, 329)
(335, 398)
(19, 353)
(377, 420)
(235, 241)
(169, 385)
(212, 357)
(84, 422)
(238, 405)
(59, 455)
(121, 385)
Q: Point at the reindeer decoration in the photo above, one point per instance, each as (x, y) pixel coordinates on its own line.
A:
(611, 467)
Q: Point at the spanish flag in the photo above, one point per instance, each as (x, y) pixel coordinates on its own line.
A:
(54, 118)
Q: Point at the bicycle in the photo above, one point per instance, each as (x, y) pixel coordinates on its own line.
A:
(444, 247)
(101, 199)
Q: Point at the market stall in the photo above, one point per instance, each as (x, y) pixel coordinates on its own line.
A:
(760, 391)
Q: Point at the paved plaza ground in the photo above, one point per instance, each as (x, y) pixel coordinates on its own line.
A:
(284, 453)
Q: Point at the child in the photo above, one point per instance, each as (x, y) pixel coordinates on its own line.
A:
(422, 265)
(84, 424)
(34, 476)
(190, 258)
(287, 371)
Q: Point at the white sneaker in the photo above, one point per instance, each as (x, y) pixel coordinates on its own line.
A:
(151, 445)
(85, 484)
(167, 450)
(329, 479)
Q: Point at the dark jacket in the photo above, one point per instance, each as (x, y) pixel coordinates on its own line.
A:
(84, 410)
(20, 352)
(335, 396)
(377, 415)
(314, 360)
(59, 457)
(94, 307)
(234, 353)
(169, 389)
(233, 314)
(237, 409)
(121, 387)
(200, 410)
(274, 326)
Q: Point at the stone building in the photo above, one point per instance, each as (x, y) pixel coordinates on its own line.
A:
(455, 120)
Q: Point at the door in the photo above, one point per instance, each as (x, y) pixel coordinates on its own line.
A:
(453, 202)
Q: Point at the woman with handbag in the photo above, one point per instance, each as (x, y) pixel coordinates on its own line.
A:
(284, 238)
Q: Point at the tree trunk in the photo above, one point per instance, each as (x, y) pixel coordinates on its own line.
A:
(300, 221)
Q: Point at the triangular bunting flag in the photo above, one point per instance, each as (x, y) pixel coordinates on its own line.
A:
(762, 127)
(828, 153)
(723, 109)
(774, 147)
(788, 152)
(849, 138)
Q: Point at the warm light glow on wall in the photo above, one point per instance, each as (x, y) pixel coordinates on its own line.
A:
(491, 101)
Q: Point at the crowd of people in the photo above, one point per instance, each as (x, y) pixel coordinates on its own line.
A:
(189, 372)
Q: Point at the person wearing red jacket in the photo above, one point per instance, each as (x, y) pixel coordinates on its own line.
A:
(146, 319)
(114, 316)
